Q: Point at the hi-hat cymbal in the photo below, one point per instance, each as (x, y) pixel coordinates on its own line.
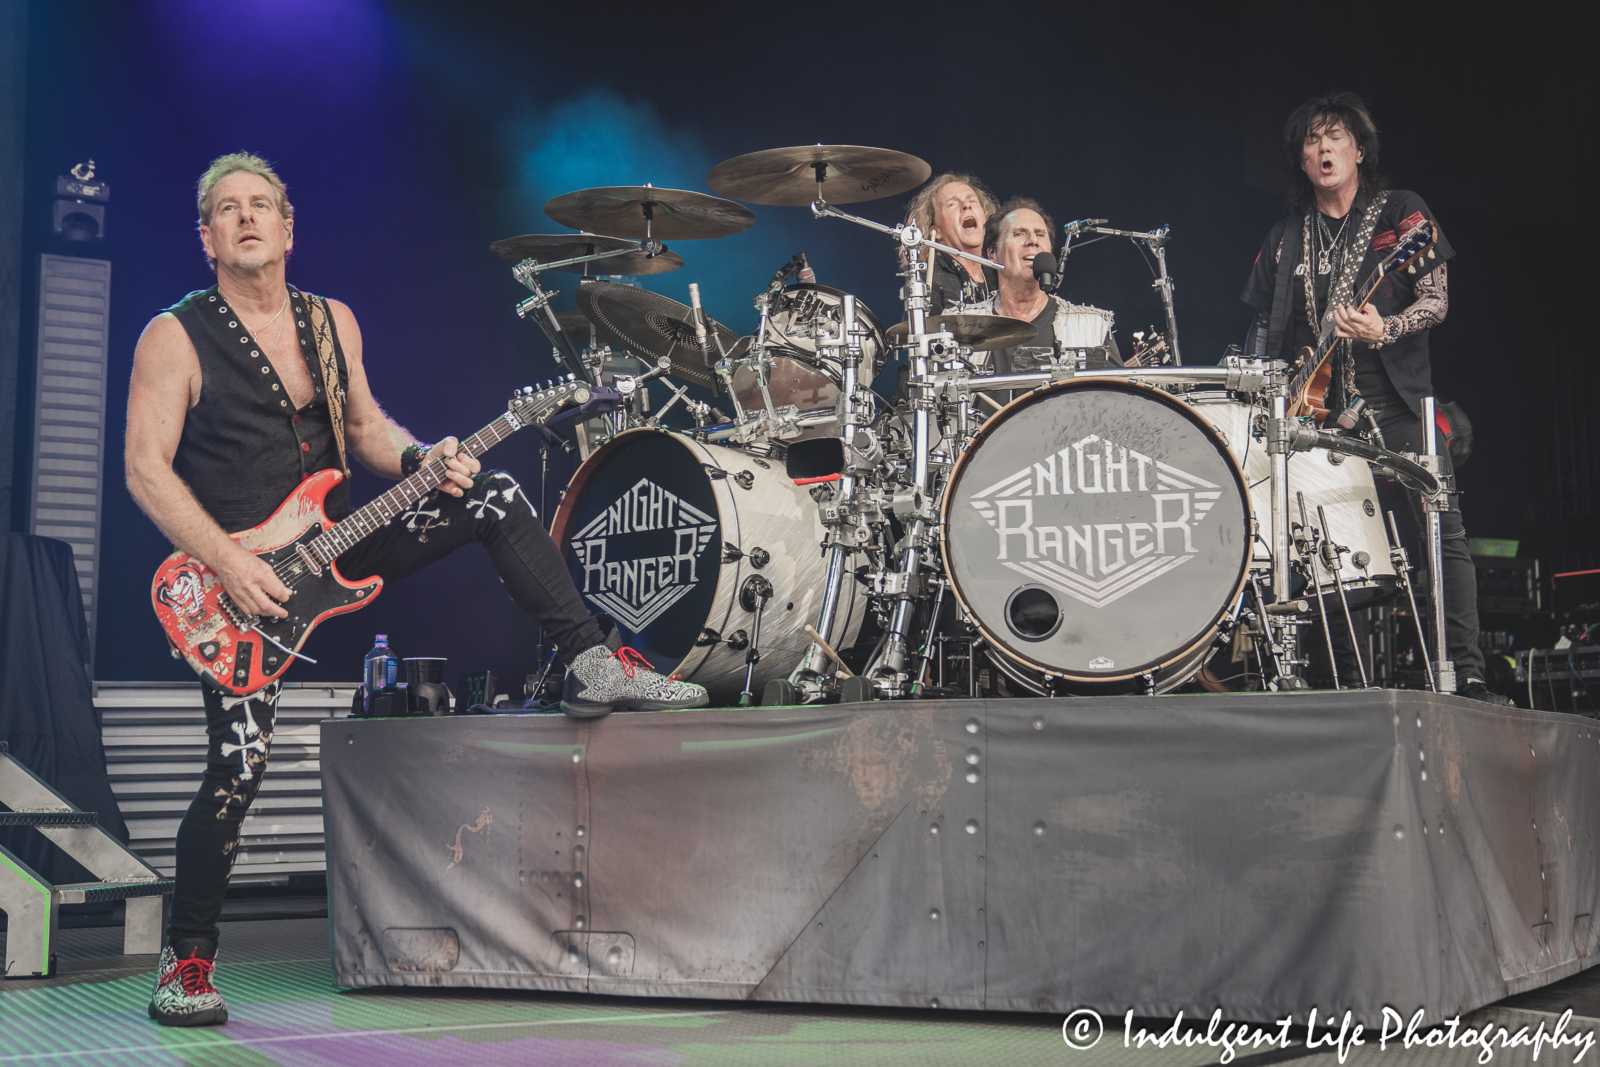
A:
(550, 247)
(981, 333)
(787, 177)
(674, 214)
(653, 326)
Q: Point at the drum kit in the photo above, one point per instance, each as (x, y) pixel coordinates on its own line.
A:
(1089, 532)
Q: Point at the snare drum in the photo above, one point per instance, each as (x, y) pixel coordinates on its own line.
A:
(663, 533)
(1343, 486)
(1097, 532)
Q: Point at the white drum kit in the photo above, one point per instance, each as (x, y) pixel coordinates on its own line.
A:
(1105, 531)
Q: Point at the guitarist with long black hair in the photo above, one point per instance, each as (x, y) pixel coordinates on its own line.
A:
(1342, 219)
(239, 393)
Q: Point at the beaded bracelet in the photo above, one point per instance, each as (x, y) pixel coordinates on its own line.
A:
(411, 458)
(1391, 330)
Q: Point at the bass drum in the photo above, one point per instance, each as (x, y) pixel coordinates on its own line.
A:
(1343, 486)
(663, 533)
(1097, 532)
(798, 317)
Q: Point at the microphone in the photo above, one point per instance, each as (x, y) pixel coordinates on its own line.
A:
(1075, 228)
(807, 276)
(699, 316)
(1047, 271)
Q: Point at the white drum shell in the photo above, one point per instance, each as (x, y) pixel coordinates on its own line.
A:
(773, 514)
(1345, 490)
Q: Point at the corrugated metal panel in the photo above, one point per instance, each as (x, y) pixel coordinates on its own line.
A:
(69, 413)
(155, 741)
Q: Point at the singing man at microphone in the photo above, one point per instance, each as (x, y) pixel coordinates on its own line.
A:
(1022, 235)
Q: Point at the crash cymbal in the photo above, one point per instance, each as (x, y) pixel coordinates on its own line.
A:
(653, 326)
(981, 333)
(787, 177)
(550, 247)
(674, 214)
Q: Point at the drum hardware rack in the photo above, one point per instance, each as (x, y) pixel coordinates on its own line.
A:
(894, 476)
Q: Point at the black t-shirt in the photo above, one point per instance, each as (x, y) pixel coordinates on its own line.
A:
(953, 284)
(1397, 373)
(1021, 359)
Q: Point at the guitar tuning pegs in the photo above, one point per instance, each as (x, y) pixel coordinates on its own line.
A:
(1430, 254)
(1411, 269)
(572, 377)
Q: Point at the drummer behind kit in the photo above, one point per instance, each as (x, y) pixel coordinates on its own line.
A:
(1104, 532)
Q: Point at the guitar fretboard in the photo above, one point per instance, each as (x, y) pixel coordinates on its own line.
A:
(373, 516)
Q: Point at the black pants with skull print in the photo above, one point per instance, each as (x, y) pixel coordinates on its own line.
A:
(495, 512)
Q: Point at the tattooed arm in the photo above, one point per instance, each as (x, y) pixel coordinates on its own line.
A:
(1433, 301)
(1428, 309)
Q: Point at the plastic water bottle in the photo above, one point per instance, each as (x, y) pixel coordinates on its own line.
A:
(381, 666)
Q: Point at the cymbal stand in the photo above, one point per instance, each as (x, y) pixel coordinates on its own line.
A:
(887, 670)
(813, 679)
(1435, 505)
(1308, 552)
(1330, 560)
(1402, 566)
(760, 362)
(1156, 241)
(527, 272)
(1286, 623)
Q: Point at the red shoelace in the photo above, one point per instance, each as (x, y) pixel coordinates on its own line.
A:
(622, 656)
(193, 974)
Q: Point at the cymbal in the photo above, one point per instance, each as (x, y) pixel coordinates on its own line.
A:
(981, 333)
(549, 247)
(675, 214)
(574, 324)
(653, 326)
(787, 177)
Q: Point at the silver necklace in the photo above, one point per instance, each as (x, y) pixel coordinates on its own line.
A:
(1328, 245)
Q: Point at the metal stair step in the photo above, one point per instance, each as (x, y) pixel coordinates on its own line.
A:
(98, 892)
(48, 818)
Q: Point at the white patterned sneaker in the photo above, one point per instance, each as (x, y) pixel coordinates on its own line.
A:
(601, 681)
(184, 995)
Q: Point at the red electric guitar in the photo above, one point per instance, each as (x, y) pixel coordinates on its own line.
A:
(1309, 388)
(240, 652)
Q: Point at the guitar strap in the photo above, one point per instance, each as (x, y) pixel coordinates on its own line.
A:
(1342, 290)
(328, 364)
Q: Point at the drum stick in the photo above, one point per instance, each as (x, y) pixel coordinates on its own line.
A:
(994, 405)
(812, 630)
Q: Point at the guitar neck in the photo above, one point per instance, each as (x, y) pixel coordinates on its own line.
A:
(1325, 345)
(371, 517)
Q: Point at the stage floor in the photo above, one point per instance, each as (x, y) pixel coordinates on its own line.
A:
(286, 1011)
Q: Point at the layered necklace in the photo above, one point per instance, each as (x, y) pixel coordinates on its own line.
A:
(1330, 246)
(267, 325)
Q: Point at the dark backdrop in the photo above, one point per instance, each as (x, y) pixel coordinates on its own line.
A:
(411, 135)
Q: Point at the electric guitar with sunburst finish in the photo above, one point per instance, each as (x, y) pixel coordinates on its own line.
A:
(1309, 388)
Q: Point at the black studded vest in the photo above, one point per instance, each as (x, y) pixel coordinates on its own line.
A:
(244, 446)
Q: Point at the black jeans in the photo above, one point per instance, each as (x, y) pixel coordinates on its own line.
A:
(1402, 432)
(495, 512)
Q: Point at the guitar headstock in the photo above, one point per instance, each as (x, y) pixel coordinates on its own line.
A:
(1412, 246)
(533, 405)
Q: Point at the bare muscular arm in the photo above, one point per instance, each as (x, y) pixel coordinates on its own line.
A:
(165, 384)
(372, 436)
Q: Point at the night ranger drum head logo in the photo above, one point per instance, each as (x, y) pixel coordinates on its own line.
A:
(1096, 526)
(643, 546)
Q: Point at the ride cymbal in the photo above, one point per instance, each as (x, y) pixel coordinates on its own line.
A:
(981, 333)
(551, 247)
(638, 212)
(788, 177)
(653, 325)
